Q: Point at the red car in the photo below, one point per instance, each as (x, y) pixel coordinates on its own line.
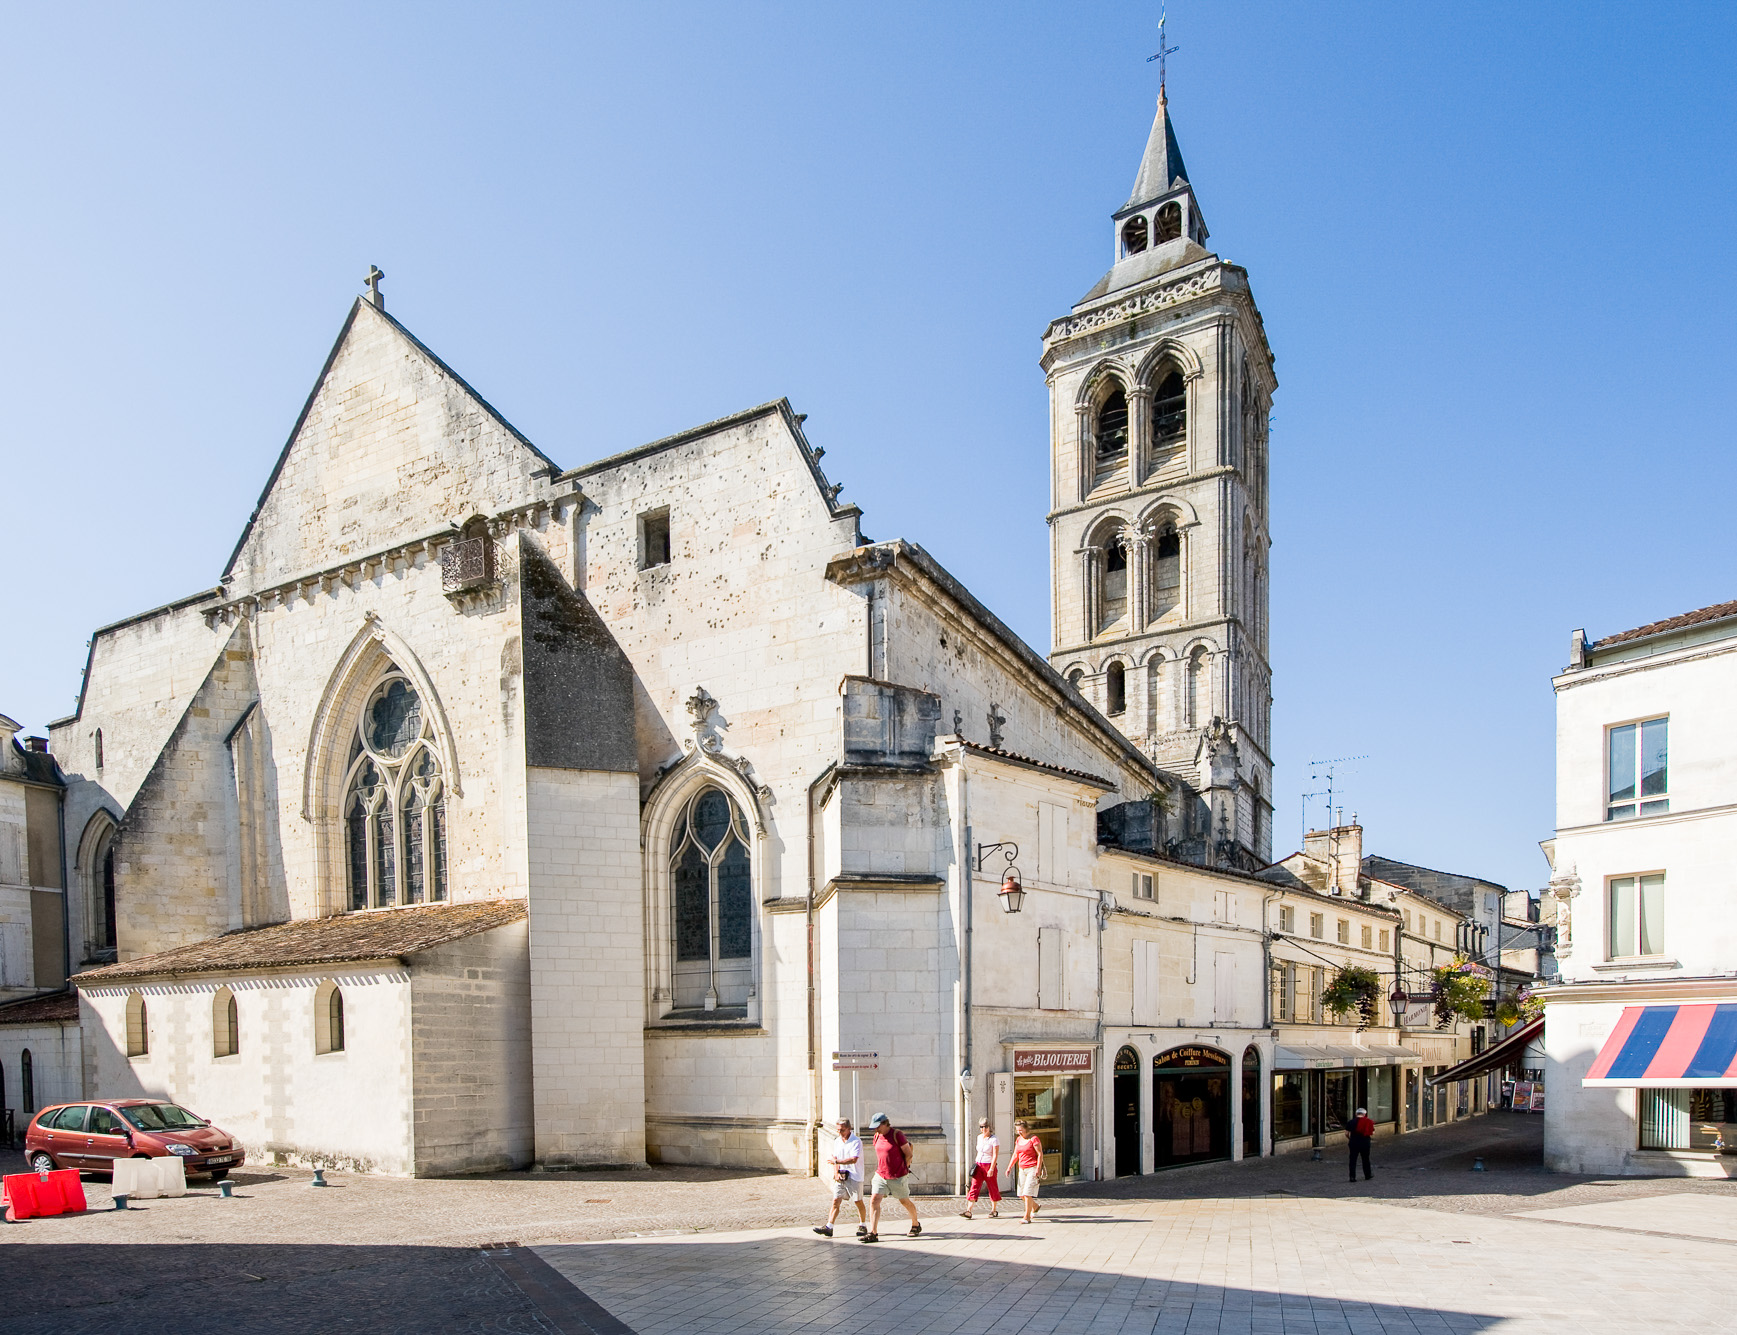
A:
(90, 1136)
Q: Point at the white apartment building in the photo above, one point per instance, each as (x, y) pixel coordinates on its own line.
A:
(1641, 1032)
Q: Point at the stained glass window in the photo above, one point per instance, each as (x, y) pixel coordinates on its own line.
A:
(711, 871)
(395, 803)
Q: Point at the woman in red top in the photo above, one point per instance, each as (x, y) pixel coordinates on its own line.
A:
(1028, 1164)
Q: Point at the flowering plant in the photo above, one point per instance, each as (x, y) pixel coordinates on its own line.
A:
(1459, 990)
(1353, 988)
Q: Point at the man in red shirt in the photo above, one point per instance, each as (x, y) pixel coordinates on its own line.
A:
(892, 1175)
(1358, 1135)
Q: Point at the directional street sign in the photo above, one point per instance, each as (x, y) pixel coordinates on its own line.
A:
(855, 1061)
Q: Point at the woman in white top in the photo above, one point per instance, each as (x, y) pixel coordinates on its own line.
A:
(983, 1171)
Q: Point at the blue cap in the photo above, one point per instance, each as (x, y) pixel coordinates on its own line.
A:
(879, 1119)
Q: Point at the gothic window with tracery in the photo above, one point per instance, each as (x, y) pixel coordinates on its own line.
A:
(394, 803)
(712, 877)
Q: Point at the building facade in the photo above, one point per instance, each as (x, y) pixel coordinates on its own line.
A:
(1640, 1034)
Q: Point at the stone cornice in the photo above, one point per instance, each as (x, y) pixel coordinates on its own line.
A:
(1099, 499)
(1634, 992)
(354, 572)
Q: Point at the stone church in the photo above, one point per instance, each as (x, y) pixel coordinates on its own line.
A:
(488, 811)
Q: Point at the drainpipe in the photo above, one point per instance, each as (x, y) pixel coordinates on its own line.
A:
(966, 1073)
(65, 898)
(813, 1131)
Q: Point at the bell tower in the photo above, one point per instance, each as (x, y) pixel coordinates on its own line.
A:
(1160, 383)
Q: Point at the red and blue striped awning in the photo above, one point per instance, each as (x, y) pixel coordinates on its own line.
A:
(1670, 1047)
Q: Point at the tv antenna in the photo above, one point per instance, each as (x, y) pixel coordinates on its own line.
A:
(1163, 51)
(1327, 769)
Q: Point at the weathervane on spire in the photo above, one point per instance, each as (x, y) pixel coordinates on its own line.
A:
(1163, 51)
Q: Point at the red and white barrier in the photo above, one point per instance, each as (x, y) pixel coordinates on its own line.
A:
(36, 1195)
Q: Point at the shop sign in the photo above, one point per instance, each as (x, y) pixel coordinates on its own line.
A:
(1189, 1058)
(1053, 1061)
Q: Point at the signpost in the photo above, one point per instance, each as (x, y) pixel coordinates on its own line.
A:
(854, 1062)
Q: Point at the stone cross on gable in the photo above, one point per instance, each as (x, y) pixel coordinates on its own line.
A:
(375, 274)
(996, 719)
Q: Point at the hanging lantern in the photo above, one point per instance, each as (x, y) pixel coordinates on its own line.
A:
(1398, 999)
(1012, 893)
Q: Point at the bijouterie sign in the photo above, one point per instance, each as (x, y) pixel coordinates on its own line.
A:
(1052, 1061)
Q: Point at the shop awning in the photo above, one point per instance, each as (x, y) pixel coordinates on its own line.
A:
(1670, 1047)
(1505, 1053)
(1337, 1056)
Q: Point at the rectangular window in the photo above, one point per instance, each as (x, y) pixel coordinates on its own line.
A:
(1142, 886)
(654, 539)
(1343, 932)
(1438, 929)
(1318, 926)
(1317, 978)
(1408, 920)
(1368, 937)
(1287, 991)
(1287, 918)
(1386, 940)
(1637, 915)
(1639, 770)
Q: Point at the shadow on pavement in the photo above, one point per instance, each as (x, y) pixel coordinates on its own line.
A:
(231, 1288)
(783, 1285)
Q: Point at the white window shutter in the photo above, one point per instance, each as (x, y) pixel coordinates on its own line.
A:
(1145, 982)
(1051, 970)
(1052, 843)
(1224, 987)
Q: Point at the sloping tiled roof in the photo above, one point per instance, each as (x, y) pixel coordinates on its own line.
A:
(374, 935)
(1016, 758)
(1717, 612)
(52, 1009)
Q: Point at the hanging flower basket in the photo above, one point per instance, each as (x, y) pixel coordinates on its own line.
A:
(1458, 990)
(1353, 988)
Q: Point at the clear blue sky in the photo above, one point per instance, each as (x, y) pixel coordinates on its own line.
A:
(1493, 246)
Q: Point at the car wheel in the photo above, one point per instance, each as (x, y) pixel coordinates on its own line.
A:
(218, 1174)
(41, 1162)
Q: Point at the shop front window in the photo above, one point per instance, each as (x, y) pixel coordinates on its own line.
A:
(1290, 1105)
(1050, 1105)
(1340, 1099)
(1191, 1105)
(1379, 1100)
(1689, 1119)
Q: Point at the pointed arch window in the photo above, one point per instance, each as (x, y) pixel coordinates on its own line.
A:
(107, 873)
(712, 876)
(1170, 409)
(394, 803)
(225, 1024)
(1110, 437)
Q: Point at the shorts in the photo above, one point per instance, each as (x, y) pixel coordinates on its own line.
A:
(848, 1190)
(899, 1188)
(1028, 1181)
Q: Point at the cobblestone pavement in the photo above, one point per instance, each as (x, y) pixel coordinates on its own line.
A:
(393, 1254)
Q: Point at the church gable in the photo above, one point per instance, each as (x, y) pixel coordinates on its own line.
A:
(391, 446)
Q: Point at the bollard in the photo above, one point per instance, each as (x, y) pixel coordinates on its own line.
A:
(120, 1200)
(1478, 1165)
(1315, 1157)
(226, 1189)
(319, 1178)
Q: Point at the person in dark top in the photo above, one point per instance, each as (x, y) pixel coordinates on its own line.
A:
(1359, 1134)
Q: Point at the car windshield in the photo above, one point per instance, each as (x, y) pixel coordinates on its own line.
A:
(161, 1117)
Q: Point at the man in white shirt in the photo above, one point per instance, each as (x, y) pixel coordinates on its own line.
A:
(846, 1165)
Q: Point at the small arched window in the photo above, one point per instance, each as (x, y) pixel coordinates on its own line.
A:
(1115, 583)
(1194, 688)
(138, 1027)
(329, 1018)
(1170, 409)
(1166, 572)
(27, 1071)
(395, 803)
(714, 904)
(1169, 223)
(98, 748)
(1110, 437)
(1134, 235)
(1116, 689)
(225, 1024)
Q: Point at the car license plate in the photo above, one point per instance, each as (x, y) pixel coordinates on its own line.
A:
(221, 1159)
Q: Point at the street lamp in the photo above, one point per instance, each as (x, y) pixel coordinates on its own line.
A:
(1398, 999)
(1012, 893)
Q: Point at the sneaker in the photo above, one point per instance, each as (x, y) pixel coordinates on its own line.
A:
(862, 1230)
(871, 1237)
(824, 1231)
(916, 1231)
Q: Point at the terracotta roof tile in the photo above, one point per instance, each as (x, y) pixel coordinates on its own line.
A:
(52, 1009)
(372, 935)
(1717, 612)
(1034, 763)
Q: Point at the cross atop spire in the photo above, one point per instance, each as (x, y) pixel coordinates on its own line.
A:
(1163, 51)
(375, 274)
